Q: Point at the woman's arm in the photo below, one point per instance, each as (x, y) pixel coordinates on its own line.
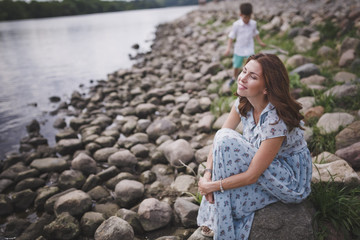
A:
(261, 161)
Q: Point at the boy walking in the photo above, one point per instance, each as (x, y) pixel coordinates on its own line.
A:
(243, 30)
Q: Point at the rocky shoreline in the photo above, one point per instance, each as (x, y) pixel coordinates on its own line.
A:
(118, 168)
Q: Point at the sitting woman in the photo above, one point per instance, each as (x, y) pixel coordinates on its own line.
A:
(270, 162)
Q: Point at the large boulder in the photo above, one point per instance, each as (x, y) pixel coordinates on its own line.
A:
(154, 214)
(330, 122)
(76, 203)
(160, 127)
(338, 171)
(187, 211)
(178, 150)
(348, 136)
(64, 227)
(129, 192)
(84, 163)
(49, 164)
(114, 228)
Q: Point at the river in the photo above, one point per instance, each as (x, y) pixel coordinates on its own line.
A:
(49, 57)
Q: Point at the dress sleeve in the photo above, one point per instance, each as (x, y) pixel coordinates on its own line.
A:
(273, 127)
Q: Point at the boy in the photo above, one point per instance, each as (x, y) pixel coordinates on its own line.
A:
(243, 30)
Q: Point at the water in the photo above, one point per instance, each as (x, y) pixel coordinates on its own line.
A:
(55, 56)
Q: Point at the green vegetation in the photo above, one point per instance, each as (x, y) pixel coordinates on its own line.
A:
(221, 105)
(349, 102)
(12, 10)
(337, 206)
(325, 100)
(321, 142)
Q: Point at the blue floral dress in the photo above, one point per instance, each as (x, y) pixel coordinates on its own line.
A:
(287, 178)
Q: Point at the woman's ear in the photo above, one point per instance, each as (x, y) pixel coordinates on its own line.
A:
(265, 91)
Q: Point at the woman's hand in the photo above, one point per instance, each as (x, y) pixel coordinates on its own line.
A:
(205, 189)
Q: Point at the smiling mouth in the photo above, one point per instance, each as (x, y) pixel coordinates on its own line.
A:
(242, 86)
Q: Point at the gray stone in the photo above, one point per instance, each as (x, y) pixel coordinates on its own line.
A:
(29, 183)
(68, 146)
(296, 60)
(105, 141)
(192, 107)
(179, 150)
(337, 171)
(98, 193)
(5, 205)
(145, 109)
(314, 79)
(50, 202)
(351, 154)
(76, 203)
(89, 222)
(103, 154)
(108, 209)
(302, 43)
(23, 199)
(114, 228)
(344, 77)
(14, 227)
(140, 150)
(134, 139)
(128, 192)
(71, 179)
(44, 194)
(348, 136)
(347, 58)
(306, 70)
(132, 218)
(154, 214)
(123, 158)
(160, 127)
(84, 163)
(108, 173)
(91, 182)
(344, 90)
(49, 164)
(187, 211)
(330, 122)
(64, 227)
(205, 123)
(326, 52)
(283, 222)
(111, 183)
(185, 183)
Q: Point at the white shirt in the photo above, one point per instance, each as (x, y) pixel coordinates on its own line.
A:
(244, 34)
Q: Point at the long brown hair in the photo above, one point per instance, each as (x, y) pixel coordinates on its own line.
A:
(278, 92)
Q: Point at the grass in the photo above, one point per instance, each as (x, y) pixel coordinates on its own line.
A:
(221, 105)
(349, 102)
(325, 100)
(322, 142)
(338, 206)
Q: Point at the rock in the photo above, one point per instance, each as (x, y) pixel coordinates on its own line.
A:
(33, 126)
(330, 122)
(111, 183)
(283, 222)
(338, 171)
(50, 202)
(187, 211)
(202, 154)
(68, 146)
(154, 214)
(326, 52)
(192, 107)
(105, 141)
(351, 154)
(348, 136)
(205, 123)
(128, 192)
(347, 58)
(325, 157)
(59, 123)
(29, 183)
(67, 133)
(49, 164)
(36, 228)
(296, 60)
(140, 151)
(89, 222)
(123, 158)
(349, 43)
(84, 163)
(44, 194)
(302, 44)
(71, 179)
(91, 182)
(185, 183)
(132, 218)
(178, 150)
(76, 203)
(64, 227)
(306, 103)
(114, 228)
(344, 77)
(306, 70)
(160, 127)
(107, 209)
(4, 184)
(76, 123)
(145, 109)
(314, 79)
(23, 199)
(98, 193)
(339, 91)
(314, 112)
(147, 177)
(108, 173)
(103, 154)
(134, 139)
(5, 205)
(15, 227)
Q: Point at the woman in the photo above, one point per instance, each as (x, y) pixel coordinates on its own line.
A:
(268, 163)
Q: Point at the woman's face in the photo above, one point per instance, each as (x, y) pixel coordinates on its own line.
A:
(250, 81)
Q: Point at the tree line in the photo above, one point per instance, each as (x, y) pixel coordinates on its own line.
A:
(12, 10)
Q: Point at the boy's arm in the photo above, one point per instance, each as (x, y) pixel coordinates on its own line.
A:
(229, 46)
(257, 37)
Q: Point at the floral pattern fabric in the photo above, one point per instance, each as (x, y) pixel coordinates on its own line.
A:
(287, 179)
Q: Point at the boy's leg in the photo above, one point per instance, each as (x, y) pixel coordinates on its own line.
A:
(237, 64)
